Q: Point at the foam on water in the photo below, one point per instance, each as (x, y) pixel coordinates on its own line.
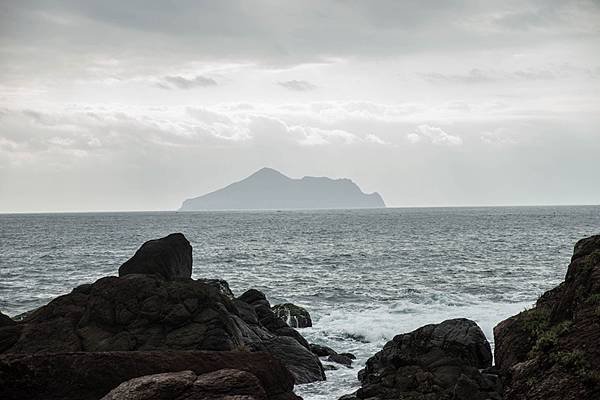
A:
(364, 275)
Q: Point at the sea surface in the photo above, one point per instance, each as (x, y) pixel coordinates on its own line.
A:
(364, 275)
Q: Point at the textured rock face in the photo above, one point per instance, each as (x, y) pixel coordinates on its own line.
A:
(89, 376)
(552, 351)
(295, 316)
(169, 257)
(146, 312)
(438, 361)
(185, 385)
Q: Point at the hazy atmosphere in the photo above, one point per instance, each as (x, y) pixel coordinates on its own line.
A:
(138, 105)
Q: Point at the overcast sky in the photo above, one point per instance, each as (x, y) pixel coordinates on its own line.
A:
(137, 105)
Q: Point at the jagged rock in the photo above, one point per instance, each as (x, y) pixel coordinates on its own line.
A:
(267, 317)
(89, 376)
(146, 312)
(340, 359)
(551, 351)
(185, 385)
(295, 316)
(169, 257)
(348, 355)
(289, 345)
(321, 351)
(437, 361)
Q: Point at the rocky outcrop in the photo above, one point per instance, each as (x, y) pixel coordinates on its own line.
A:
(146, 312)
(295, 316)
(169, 257)
(551, 351)
(438, 361)
(155, 305)
(89, 375)
(185, 385)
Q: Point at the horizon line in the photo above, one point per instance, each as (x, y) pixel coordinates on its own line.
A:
(297, 209)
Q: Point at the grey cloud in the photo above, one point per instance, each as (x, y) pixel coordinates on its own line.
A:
(473, 76)
(180, 82)
(299, 86)
(278, 33)
(478, 76)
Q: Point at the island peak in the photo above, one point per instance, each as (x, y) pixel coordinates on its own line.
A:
(268, 188)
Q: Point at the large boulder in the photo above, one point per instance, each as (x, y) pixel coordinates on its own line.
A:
(89, 376)
(437, 361)
(169, 257)
(146, 312)
(295, 316)
(223, 384)
(551, 351)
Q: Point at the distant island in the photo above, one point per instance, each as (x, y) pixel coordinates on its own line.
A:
(268, 189)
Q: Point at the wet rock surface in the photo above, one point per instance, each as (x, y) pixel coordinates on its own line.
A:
(552, 351)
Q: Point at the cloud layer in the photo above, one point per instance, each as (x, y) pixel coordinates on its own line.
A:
(139, 104)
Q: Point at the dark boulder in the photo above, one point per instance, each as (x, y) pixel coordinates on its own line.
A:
(437, 361)
(340, 359)
(169, 257)
(321, 351)
(223, 384)
(551, 351)
(295, 316)
(89, 376)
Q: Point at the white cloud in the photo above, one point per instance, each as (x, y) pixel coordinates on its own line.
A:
(434, 134)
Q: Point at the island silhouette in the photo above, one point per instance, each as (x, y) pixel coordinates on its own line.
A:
(269, 189)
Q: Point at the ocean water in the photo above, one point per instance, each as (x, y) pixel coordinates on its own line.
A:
(364, 275)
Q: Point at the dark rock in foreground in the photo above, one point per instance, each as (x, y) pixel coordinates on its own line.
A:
(169, 257)
(438, 361)
(146, 312)
(89, 376)
(552, 351)
(295, 316)
(224, 384)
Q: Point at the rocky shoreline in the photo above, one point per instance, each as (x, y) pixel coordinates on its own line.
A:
(154, 332)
